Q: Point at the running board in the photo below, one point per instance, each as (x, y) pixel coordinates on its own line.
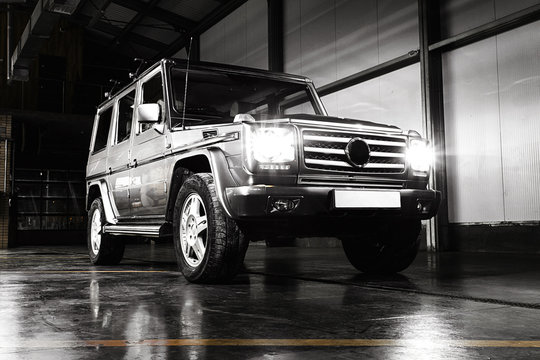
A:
(135, 230)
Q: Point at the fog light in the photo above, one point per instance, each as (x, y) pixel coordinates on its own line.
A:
(284, 205)
(423, 206)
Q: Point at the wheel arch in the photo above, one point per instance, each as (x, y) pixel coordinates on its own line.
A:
(211, 160)
(98, 189)
(94, 192)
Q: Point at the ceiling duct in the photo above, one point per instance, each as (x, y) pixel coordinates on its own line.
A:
(65, 7)
(39, 27)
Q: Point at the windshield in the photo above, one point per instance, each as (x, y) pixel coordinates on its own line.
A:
(215, 97)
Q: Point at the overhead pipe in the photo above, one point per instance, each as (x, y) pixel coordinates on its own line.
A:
(42, 21)
(8, 43)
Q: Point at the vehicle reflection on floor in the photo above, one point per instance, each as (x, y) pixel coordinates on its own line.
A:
(287, 303)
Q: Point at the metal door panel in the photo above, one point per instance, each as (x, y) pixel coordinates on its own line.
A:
(118, 180)
(148, 188)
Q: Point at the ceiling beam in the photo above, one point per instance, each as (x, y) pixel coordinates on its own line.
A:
(82, 3)
(134, 22)
(177, 22)
(98, 9)
(115, 31)
(206, 23)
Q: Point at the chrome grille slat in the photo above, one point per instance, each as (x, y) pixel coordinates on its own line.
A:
(384, 154)
(346, 140)
(346, 164)
(347, 181)
(326, 151)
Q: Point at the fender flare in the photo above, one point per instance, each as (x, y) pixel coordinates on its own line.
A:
(107, 205)
(222, 177)
(220, 171)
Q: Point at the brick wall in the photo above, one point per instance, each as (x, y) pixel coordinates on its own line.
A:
(5, 177)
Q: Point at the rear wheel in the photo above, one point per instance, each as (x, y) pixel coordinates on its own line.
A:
(385, 249)
(209, 246)
(104, 249)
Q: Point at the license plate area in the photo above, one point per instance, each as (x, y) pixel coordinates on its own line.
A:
(366, 199)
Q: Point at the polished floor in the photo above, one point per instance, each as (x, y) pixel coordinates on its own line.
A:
(289, 303)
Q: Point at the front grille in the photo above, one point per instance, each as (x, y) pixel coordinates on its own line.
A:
(326, 151)
(349, 181)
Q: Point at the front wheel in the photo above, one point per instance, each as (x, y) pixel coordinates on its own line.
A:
(104, 249)
(384, 249)
(209, 246)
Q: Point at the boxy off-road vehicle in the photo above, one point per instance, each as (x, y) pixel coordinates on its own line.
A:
(217, 156)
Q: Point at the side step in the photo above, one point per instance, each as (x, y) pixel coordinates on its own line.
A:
(139, 230)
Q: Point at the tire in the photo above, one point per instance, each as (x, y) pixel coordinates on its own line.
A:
(386, 249)
(103, 249)
(209, 246)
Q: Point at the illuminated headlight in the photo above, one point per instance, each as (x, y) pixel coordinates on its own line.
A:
(419, 156)
(270, 148)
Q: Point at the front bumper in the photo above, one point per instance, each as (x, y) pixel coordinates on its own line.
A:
(257, 202)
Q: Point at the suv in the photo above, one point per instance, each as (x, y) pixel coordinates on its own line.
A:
(217, 156)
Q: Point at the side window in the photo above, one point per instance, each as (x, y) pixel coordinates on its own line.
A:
(102, 133)
(152, 92)
(125, 116)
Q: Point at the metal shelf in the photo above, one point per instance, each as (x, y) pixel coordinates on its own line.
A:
(34, 191)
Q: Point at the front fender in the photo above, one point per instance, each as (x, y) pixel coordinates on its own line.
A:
(219, 168)
(107, 204)
(222, 177)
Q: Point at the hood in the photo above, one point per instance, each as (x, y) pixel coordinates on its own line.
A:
(321, 120)
(335, 122)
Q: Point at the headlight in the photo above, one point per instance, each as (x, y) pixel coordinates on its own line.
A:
(269, 148)
(420, 156)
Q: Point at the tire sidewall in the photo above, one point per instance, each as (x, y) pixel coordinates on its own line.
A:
(194, 184)
(97, 205)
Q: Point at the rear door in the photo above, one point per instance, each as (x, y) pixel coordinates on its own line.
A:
(148, 188)
(119, 151)
(97, 160)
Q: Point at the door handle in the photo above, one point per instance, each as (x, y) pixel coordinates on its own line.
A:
(134, 163)
(110, 171)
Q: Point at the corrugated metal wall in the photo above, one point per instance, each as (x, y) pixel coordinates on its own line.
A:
(328, 40)
(239, 39)
(492, 107)
(462, 15)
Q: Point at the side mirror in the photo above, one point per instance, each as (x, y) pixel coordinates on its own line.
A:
(148, 113)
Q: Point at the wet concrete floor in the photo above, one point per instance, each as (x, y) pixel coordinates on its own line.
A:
(289, 303)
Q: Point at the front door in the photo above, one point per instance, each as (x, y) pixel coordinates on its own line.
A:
(148, 188)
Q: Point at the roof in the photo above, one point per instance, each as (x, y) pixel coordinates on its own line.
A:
(202, 65)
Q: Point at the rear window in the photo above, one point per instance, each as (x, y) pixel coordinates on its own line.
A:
(125, 116)
(102, 133)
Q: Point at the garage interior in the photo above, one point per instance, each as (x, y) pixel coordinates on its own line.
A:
(463, 73)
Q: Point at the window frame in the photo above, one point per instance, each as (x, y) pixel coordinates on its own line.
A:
(140, 97)
(103, 110)
(117, 114)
